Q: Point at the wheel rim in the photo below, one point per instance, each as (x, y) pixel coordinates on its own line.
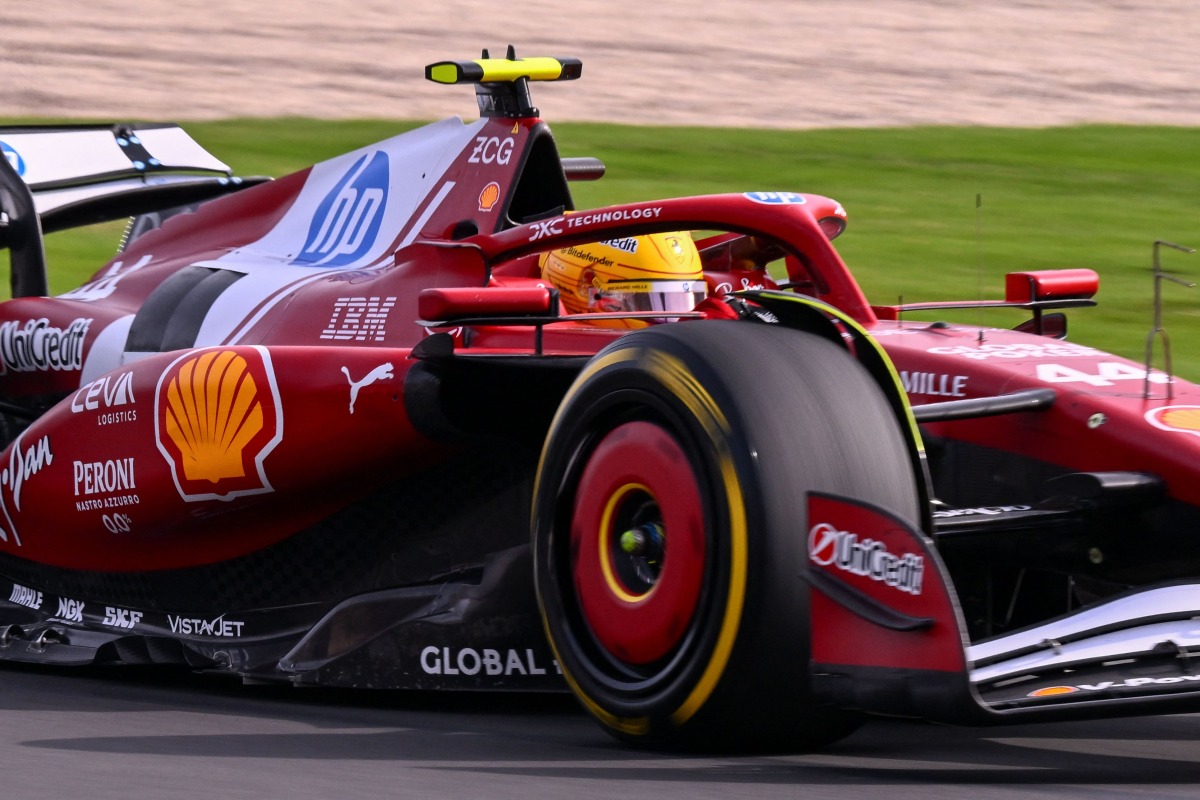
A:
(638, 543)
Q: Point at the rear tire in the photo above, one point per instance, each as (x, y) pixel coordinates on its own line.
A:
(670, 530)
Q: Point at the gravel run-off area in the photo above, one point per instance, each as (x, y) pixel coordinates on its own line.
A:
(767, 63)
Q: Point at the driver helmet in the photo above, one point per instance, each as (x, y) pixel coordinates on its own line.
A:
(653, 272)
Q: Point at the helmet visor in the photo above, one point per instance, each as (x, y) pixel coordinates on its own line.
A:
(648, 296)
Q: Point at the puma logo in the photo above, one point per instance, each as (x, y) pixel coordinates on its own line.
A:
(381, 373)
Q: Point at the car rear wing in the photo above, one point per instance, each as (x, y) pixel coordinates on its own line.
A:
(54, 177)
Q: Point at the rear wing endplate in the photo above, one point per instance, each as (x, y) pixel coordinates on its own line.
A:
(54, 177)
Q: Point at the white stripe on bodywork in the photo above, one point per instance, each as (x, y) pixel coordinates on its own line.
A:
(417, 227)
(286, 291)
(105, 354)
(418, 162)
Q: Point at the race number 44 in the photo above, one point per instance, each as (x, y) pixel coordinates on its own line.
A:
(1106, 373)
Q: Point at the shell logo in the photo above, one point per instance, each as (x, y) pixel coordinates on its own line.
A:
(216, 420)
(1182, 419)
(1053, 691)
(489, 196)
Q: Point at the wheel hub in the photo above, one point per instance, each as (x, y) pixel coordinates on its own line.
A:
(637, 492)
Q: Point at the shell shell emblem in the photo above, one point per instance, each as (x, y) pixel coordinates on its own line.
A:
(216, 420)
(1053, 691)
(1182, 419)
(489, 196)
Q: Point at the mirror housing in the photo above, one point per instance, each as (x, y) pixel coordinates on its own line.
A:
(1050, 284)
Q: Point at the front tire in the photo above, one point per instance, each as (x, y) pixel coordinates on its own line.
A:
(670, 528)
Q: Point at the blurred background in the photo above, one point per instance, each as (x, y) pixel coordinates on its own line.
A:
(759, 63)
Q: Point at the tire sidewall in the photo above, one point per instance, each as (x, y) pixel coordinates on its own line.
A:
(636, 379)
(741, 678)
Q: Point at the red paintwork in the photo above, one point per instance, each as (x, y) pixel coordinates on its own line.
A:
(1023, 287)
(323, 307)
(324, 463)
(1088, 382)
(444, 303)
(840, 537)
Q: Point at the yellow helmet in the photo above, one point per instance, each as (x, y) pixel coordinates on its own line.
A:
(655, 272)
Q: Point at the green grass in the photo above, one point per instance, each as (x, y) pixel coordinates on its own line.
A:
(1088, 196)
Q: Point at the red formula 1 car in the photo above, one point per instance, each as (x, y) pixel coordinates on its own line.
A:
(407, 419)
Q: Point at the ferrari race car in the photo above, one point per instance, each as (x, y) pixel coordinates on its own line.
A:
(408, 419)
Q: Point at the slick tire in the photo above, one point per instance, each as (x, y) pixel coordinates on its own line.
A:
(670, 530)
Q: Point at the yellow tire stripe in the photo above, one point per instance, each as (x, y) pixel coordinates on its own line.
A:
(675, 377)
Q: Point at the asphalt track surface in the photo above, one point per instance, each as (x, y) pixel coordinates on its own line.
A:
(133, 734)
